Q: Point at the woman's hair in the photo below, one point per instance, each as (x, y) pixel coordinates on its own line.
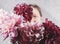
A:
(37, 7)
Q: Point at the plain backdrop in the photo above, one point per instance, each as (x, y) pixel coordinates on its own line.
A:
(50, 9)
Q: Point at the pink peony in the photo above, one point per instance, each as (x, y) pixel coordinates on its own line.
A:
(7, 22)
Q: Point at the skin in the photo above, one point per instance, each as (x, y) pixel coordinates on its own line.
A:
(36, 15)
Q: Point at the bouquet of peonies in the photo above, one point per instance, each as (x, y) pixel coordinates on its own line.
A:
(27, 32)
(17, 26)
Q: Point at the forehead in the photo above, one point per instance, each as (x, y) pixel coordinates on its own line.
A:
(36, 8)
(36, 11)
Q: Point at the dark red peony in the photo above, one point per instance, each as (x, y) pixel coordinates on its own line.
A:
(29, 34)
(52, 33)
(24, 10)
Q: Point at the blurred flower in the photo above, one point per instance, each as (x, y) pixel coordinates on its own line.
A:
(52, 33)
(7, 22)
(24, 10)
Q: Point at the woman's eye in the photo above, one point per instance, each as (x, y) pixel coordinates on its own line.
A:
(34, 16)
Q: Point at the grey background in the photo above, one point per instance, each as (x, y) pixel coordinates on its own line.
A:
(50, 9)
